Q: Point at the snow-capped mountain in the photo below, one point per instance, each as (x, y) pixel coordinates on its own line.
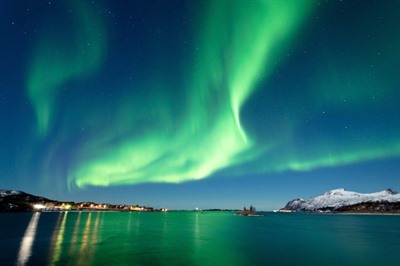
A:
(338, 198)
(6, 192)
(14, 200)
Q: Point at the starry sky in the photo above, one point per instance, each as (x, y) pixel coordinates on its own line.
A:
(209, 104)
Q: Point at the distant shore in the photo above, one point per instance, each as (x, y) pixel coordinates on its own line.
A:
(342, 212)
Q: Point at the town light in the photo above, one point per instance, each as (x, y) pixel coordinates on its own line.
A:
(38, 206)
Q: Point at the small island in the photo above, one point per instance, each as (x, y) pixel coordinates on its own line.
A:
(251, 211)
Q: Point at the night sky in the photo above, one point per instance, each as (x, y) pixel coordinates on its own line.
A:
(209, 104)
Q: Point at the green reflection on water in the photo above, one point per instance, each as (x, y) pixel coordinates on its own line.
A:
(142, 239)
(220, 238)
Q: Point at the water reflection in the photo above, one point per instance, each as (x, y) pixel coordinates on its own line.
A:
(25, 249)
(75, 234)
(60, 238)
(74, 242)
(129, 226)
(91, 250)
(188, 238)
(197, 232)
(54, 236)
(85, 238)
(87, 249)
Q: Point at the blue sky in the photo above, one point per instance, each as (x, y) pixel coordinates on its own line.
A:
(212, 104)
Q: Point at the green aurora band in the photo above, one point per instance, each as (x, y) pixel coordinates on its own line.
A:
(237, 48)
(197, 121)
(58, 60)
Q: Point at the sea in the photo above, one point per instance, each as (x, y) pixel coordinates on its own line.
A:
(198, 238)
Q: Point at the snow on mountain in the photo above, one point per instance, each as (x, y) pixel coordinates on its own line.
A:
(336, 198)
(6, 192)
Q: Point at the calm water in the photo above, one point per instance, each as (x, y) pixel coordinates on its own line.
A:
(187, 238)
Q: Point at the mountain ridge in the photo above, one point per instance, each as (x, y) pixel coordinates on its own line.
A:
(15, 200)
(19, 201)
(342, 200)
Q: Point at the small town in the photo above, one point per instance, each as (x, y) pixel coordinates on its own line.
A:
(14, 201)
(91, 206)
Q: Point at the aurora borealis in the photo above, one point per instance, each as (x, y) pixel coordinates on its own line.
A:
(133, 93)
(56, 59)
